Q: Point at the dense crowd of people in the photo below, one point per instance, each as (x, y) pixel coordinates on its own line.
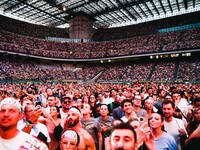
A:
(26, 69)
(170, 41)
(99, 116)
(94, 116)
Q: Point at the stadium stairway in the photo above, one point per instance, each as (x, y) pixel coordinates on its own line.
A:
(96, 76)
(176, 70)
(152, 70)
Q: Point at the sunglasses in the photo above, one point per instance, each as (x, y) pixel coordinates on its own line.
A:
(67, 102)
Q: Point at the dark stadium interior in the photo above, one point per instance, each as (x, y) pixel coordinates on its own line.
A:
(99, 74)
(103, 12)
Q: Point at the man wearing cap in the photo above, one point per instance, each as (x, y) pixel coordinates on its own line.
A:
(73, 121)
(66, 103)
(10, 137)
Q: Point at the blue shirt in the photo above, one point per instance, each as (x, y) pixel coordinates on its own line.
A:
(166, 142)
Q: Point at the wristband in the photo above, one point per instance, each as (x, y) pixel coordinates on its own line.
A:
(30, 122)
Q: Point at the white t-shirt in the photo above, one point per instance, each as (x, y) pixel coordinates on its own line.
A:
(172, 128)
(63, 114)
(22, 141)
(39, 127)
(124, 119)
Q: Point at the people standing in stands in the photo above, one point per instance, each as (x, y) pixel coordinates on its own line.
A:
(123, 137)
(143, 131)
(174, 126)
(76, 95)
(127, 107)
(118, 113)
(73, 121)
(114, 104)
(191, 107)
(66, 103)
(70, 140)
(92, 125)
(51, 101)
(99, 101)
(148, 106)
(158, 103)
(193, 128)
(106, 97)
(32, 126)
(85, 99)
(94, 106)
(168, 97)
(149, 92)
(106, 123)
(113, 95)
(51, 120)
(10, 137)
(181, 106)
(163, 140)
(137, 107)
(79, 104)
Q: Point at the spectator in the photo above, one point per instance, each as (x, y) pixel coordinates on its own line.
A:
(69, 140)
(145, 139)
(191, 107)
(51, 101)
(194, 131)
(94, 106)
(127, 107)
(193, 124)
(32, 126)
(11, 137)
(51, 120)
(72, 121)
(181, 104)
(158, 103)
(118, 112)
(163, 140)
(148, 106)
(79, 104)
(173, 126)
(91, 125)
(106, 123)
(66, 103)
(123, 136)
(137, 107)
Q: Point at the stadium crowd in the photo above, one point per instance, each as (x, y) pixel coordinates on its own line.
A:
(92, 115)
(20, 69)
(94, 110)
(177, 40)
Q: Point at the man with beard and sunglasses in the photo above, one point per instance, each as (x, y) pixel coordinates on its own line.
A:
(73, 121)
(66, 103)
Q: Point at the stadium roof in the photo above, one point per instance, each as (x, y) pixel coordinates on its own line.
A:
(112, 13)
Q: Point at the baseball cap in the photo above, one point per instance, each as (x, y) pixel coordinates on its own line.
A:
(66, 96)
